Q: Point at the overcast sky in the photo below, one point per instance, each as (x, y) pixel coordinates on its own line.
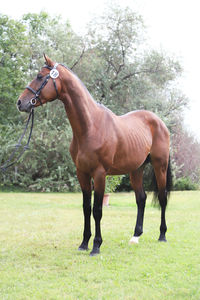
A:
(171, 24)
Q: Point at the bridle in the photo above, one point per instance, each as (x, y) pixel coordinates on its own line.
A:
(53, 75)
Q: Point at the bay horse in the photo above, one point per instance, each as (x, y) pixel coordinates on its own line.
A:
(105, 144)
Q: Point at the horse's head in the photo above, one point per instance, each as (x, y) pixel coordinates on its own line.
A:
(44, 88)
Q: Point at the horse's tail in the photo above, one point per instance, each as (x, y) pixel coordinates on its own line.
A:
(169, 184)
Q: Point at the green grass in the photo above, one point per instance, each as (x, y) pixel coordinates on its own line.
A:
(40, 234)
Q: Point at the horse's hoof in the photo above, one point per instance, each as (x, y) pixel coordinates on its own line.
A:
(83, 247)
(134, 240)
(162, 239)
(95, 252)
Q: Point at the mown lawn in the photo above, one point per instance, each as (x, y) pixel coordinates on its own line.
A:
(40, 234)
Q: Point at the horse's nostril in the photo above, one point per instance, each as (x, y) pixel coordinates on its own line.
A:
(19, 102)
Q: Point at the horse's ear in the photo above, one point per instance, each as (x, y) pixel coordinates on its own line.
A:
(48, 61)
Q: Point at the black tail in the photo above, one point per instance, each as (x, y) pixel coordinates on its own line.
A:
(169, 184)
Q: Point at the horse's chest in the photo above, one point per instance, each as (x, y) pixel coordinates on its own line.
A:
(89, 159)
(85, 160)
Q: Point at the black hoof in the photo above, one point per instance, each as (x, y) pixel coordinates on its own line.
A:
(95, 252)
(83, 247)
(162, 239)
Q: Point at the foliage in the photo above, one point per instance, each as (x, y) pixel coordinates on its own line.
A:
(51, 36)
(112, 182)
(122, 74)
(13, 64)
(186, 154)
(125, 185)
(185, 183)
(47, 166)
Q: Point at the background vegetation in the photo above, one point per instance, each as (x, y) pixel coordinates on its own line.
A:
(119, 70)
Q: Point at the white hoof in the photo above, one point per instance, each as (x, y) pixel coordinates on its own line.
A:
(134, 240)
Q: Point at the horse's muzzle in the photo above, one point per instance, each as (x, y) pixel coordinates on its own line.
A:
(24, 106)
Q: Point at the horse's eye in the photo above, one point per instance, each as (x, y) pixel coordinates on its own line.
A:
(39, 76)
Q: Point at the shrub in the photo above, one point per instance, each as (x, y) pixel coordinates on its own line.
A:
(112, 182)
(184, 183)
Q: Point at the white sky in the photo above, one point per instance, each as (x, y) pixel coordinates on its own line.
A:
(173, 25)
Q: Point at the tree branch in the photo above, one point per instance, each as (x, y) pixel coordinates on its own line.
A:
(113, 85)
(78, 60)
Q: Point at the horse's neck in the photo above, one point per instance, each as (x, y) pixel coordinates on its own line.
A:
(81, 109)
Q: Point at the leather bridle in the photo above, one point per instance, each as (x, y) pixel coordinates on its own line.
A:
(53, 75)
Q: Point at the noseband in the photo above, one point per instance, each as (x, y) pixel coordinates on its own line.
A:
(53, 74)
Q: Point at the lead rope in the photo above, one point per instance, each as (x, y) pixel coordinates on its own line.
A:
(8, 163)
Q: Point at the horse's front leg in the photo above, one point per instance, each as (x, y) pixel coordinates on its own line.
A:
(136, 178)
(85, 182)
(99, 187)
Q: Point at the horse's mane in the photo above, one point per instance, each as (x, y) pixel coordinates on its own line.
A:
(83, 85)
(80, 81)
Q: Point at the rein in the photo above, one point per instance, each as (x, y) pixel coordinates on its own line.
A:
(9, 162)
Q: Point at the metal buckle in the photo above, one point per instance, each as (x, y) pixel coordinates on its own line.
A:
(33, 101)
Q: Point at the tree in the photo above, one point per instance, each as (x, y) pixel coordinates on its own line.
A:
(13, 65)
(186, 154)
(22, 47)
(52, 36)
(121, 74)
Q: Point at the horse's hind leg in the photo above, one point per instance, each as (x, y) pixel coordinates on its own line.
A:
(137, 183)
(160, 168)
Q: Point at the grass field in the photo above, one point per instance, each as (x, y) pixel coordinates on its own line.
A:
(40, 234)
